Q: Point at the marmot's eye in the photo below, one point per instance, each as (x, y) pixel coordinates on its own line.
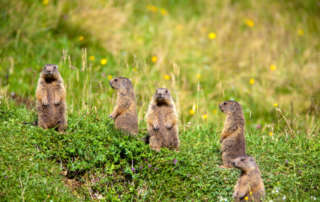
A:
(54, 67)
(115, 80)
(225, 103)
(166, 91)
(243, 159)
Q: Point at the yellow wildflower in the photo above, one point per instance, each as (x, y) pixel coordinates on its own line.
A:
(249, 22)
(45, 2)
(250, 193)
(273, 67)
(270, 134)
(179, 27)
(275, 104)
(81, 38)
(103, 61)
(198, 76)
(251, 81)
(300, 32)
(154, 59)
(134, 69)
(214, 111)
(166, 77)
(192, 112)
(152, 8)
(109, 77)
(164, 12)
(204, 116)
(92, 58)
(246, 198)
(212, 35)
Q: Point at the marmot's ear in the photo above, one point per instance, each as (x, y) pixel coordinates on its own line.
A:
(127, 82)
(235, 106)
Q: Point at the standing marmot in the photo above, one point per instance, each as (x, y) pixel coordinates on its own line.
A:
(125, 111)
(51, 99)
(162, 121)
(250, 185)
(232, 137)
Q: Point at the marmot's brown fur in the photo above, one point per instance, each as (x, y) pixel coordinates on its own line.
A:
(162, 121)
(232, 137)
(51, 99)
(20, 100)
(250, 185)
(125, 111)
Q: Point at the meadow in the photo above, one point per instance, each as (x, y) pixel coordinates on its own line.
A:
(264, 54)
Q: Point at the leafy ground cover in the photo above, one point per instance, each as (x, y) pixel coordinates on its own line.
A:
(264, 54)
(94, 161)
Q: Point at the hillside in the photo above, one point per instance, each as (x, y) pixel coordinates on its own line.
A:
(96, 162)
(264, 54)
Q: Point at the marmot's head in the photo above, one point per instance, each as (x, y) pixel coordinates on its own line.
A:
(244, 163)
(50, 73)
(230, 107)
(122, 84)
(162, 96)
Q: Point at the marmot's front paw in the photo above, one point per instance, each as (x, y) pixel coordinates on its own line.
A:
(45, 102)
(169, 126)
(157, 149)
(156, 127)
(57, 101)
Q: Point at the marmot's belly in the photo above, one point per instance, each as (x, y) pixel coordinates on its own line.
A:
(127, 122)
(233, 146)
(167, 136)
(52, 114)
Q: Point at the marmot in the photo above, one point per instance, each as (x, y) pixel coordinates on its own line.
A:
(250, 185)
(51, 99)
(232, 136)
(125, 112)
(162, 121)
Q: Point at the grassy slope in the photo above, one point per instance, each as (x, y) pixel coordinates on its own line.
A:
(101, 160)
(32, 159)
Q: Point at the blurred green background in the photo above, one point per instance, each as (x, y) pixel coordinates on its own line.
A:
(264, 54)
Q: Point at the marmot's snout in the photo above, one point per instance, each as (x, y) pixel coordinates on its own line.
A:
(49, 69)
(50, 72)
(110, 83)
(114, 83)
(160, 96)
(237, 162)
(222, 105)
(233, 163)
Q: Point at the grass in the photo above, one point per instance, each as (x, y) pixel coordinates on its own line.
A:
(263, 54)
(96, 162)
